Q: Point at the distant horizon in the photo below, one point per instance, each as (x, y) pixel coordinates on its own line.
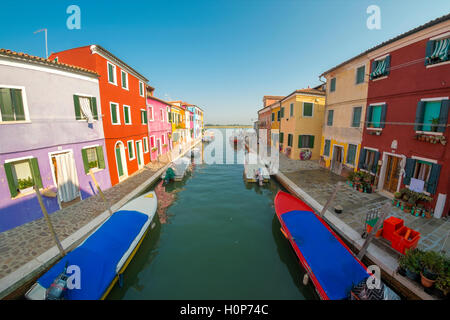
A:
(228, 54)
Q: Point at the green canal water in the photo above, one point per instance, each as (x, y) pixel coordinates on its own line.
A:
(222, 240)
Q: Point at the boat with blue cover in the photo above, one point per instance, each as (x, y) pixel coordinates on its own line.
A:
(104, 255)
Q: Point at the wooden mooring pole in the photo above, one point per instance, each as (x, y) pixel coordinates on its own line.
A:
(100, 191)
(384, 212)
(49, 223)
(333, 195)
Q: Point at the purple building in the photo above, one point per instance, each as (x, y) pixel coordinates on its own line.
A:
(51, 134)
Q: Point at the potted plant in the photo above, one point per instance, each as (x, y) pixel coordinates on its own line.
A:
(434, 122)
(25, 185)
(433, 266)
(411, 263)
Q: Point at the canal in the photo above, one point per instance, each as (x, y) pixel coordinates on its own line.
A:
(220, 240)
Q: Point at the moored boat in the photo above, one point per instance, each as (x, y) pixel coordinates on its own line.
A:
(102, 258)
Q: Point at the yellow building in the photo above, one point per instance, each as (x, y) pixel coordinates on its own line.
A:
(346, 97)
(301, 115)
(176, 117)
(275, 123)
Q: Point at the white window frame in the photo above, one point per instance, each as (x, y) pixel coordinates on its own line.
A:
(145, 144)
(150, 142)
(142, 118)
(128, 151)
(121, 80)
(303, 110)
(115, 72)
(129, 115)
(20, 195)
(150, 107)
(143, 89)
(25, 105)
(117, 113)
(374, 129)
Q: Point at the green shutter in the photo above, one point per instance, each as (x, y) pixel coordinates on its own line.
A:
(85, 160)
(434, 178)
(356, 117)
(93, 101)
(375, 163)
(429, 51)
(119, 161)
(374, 67)
(100, 157)
(420, 112)
(114, 112)
(362, 158)
(126, 114)
(333, 85)
(273, 116)
(291, 110)
(110, 73)
(6, 105)
(145, 116)
(16, 97)
(35, 172)
(330, 117)
(9, 176)
(311, 142)
(282, 112)
(281, 137)
(383, 115)
(369, 116)
(409, 170)
(387, 65)
(76, 102)
(443, 115)
(300, 141)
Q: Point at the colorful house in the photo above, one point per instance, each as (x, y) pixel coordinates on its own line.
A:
(123, 97)
(159, 127)
(176, 118)
(301, 114)
(346, 97)
(196, 124)
(405, 138)
(264, 124)
(51, 134)
(275, 123)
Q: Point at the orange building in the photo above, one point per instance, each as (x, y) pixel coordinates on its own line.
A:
(123, 105)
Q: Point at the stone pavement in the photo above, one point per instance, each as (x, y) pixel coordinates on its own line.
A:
(21, 244)
(319, 183)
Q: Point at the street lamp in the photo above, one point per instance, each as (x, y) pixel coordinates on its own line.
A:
(46, 48)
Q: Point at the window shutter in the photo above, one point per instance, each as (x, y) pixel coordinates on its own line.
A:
(85, 160)
(443, 115)
(362, 158)
(100, 157)
(94, 107)
(300, 141)
(16, 97)
(273, 116)
(146, 117)
(387, 67)
(429, 50)
(281, 137)
(434, 178)
(76, 102)
(409, 170)
(369, 115)
(35, 172)
(383, 115)
(6, 105)
(282, 112)
(311, 141)
(374, 66)
(375, 162)
(9, 176)
(419, 115)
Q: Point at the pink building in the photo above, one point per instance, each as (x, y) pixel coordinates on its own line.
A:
(159, 127)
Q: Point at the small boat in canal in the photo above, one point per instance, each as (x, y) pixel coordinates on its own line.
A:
(334, 270)
(256, 173)
(102, 258)
(179, 168)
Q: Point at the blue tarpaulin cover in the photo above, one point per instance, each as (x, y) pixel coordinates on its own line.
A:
(99, 255)
(335, 268)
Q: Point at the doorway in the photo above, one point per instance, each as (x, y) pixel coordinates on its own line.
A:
(392, 174)
(140, 155)
(338, 156)
(121, 160)
(65, 177)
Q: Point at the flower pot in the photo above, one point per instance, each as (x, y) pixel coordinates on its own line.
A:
(401, 271)
(412, 275)
(427, 283)
(26, 190)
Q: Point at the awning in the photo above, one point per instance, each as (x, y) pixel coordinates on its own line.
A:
(380, 69)
(441, 49)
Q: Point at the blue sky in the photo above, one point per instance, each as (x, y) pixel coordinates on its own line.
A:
(221, 55)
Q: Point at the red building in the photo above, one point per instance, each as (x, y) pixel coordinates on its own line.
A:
(124, 108)
(406, 128)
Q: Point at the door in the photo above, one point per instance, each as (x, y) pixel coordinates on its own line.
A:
(158, 145)
(392, 174)
(66, 177)
(140, 155)
(120, 161)
(336, 162)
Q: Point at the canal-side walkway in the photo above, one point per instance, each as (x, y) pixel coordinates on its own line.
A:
(27, 250)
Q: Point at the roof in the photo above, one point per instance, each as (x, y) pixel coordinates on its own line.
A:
(311, 91)
(273, 97)
(47, 62)
(401, 36)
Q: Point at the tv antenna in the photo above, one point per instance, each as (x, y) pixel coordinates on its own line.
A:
(46, 47)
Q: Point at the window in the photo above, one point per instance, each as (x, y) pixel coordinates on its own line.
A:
(376, 116)
(356, 120)
(126, 114)
(143, 116)
(368, 160)
(351, 153)
(85, 107)
(281, 137)
(152, 141)
(380, 68)
(278, 115)
(291, 113)
(273, 116)
(333, 85)
(162, 114)
(145, 144)
(93, 158)
(112, 73)
(130, 145)
(305, 141)
(163, 139)
(330, 118)
(124, 76)
(326, 148)
(360, 73)
(22, 175)
(431, 116)
(115, 118)
(290, 138)
(423, 170)
(151, 113)
(282, 112)
(437, 51)
(12, 105)
(308, 109)
(141, 89)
